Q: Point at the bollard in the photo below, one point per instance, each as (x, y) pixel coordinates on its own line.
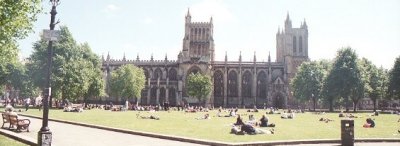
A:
(347, 129)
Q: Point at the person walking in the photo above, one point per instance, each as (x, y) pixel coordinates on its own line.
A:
(27, 103)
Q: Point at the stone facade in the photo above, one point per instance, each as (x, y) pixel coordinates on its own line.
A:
(236, 83)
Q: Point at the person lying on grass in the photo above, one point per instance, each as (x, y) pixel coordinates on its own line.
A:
(370, 123)
(249, 129)
(326, 120)
(205, 117)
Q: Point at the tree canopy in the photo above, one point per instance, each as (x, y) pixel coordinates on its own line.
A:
(344, 79)
(394, 80)
(127, 81)
(307, 84)
(76, 70)
(199, 86)
(16, 22)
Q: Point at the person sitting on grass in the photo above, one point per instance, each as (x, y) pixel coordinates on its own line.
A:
(252, 120)
(341, 114)
(264, 121)
(239, 121)
(205, 117)
(370, 123)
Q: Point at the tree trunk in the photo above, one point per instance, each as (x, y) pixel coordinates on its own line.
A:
(355, 102)
(374, 101)
(347, 104)
(315, 103)
(331, 105)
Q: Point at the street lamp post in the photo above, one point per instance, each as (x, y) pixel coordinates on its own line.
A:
(45, 135)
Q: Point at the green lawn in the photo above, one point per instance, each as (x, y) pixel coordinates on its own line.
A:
(5, 141)
(304, 126)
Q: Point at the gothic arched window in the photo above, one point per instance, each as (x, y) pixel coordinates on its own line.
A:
(232, 84)
(172, 96)
(246, 84)
(172, 74)
(300, 44)
(262, 85)
(157, 74)
(162, 97)
(294, 45)
(146, 74)
(218, 84)
(153, 96)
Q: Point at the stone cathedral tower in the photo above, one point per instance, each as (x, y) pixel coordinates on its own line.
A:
(292, 46)
(198, 41)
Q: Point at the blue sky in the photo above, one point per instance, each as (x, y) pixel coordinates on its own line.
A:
(145, 27)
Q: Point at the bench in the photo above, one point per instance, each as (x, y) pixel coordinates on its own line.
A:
(6, 119)
(21, 124)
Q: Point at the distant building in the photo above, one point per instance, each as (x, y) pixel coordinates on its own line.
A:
(236, 83)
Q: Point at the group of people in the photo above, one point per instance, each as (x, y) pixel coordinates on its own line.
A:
(250, 127)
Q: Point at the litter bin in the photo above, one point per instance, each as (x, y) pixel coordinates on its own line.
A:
(347, 132)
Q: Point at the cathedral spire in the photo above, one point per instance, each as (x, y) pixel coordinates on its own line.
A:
(287, 16)
(188, 17)
(108, 56)
(304, 24)
(188, 12)
(288, 23)
(211, 20)
(137, 57)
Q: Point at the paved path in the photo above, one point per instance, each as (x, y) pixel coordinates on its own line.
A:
(73, 135)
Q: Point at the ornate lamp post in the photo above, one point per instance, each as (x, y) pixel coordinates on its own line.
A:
(45, 135)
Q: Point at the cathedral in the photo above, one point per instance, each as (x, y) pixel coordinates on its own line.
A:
(236, 83)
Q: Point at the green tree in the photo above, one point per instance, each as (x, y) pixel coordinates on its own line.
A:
(344, 79)
(394, 80)
(127, 81)
(20, 80)
(16, 22)
(199, 86)
(307, 84)
(76, 71)
(373, 79)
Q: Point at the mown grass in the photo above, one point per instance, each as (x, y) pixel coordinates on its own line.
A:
(5, 141)
(304, 126)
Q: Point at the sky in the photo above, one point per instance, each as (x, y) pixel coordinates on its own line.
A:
(146, 27)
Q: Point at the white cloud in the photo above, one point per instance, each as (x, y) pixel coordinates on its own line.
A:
(211, 8)
(111, 8)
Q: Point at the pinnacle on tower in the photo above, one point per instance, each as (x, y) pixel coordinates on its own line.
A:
(211, 19)
(151, 57)
(166, 58)
(123, 58)
(269, 56)
(188, 17)
(304, 23)
(137, 57)
(287, 16)
(108, 56)
(254, 59)
(240, 56)
(226, 56)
